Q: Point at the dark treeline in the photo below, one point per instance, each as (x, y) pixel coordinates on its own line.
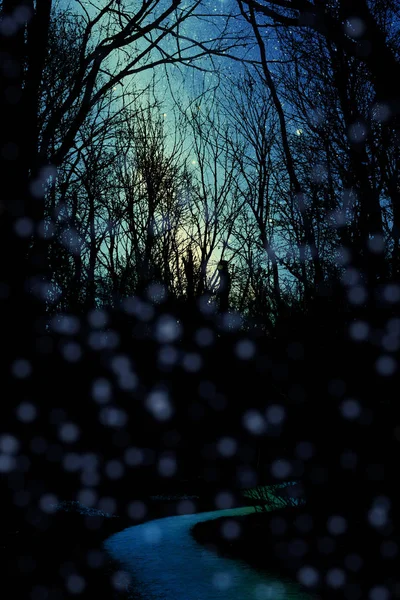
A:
(204, 288)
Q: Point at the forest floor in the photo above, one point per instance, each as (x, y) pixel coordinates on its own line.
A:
(292, 544)
(63, 555)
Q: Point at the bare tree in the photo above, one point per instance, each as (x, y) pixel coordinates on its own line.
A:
(341, 161)
(77, 214)
(360, 29)
(362, 36)
(249, 111)
(145, 205)
(116, 42)
(296, 190)
(214, 205)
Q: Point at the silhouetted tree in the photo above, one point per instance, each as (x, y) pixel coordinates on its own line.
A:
(30, 151)
(361, 37)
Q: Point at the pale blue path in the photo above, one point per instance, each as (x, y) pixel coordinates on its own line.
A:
(167, 564)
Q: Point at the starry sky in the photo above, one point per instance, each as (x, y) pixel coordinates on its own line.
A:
(215, 24)
(210, 21)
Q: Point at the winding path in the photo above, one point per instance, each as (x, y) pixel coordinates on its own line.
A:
(167, 564)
